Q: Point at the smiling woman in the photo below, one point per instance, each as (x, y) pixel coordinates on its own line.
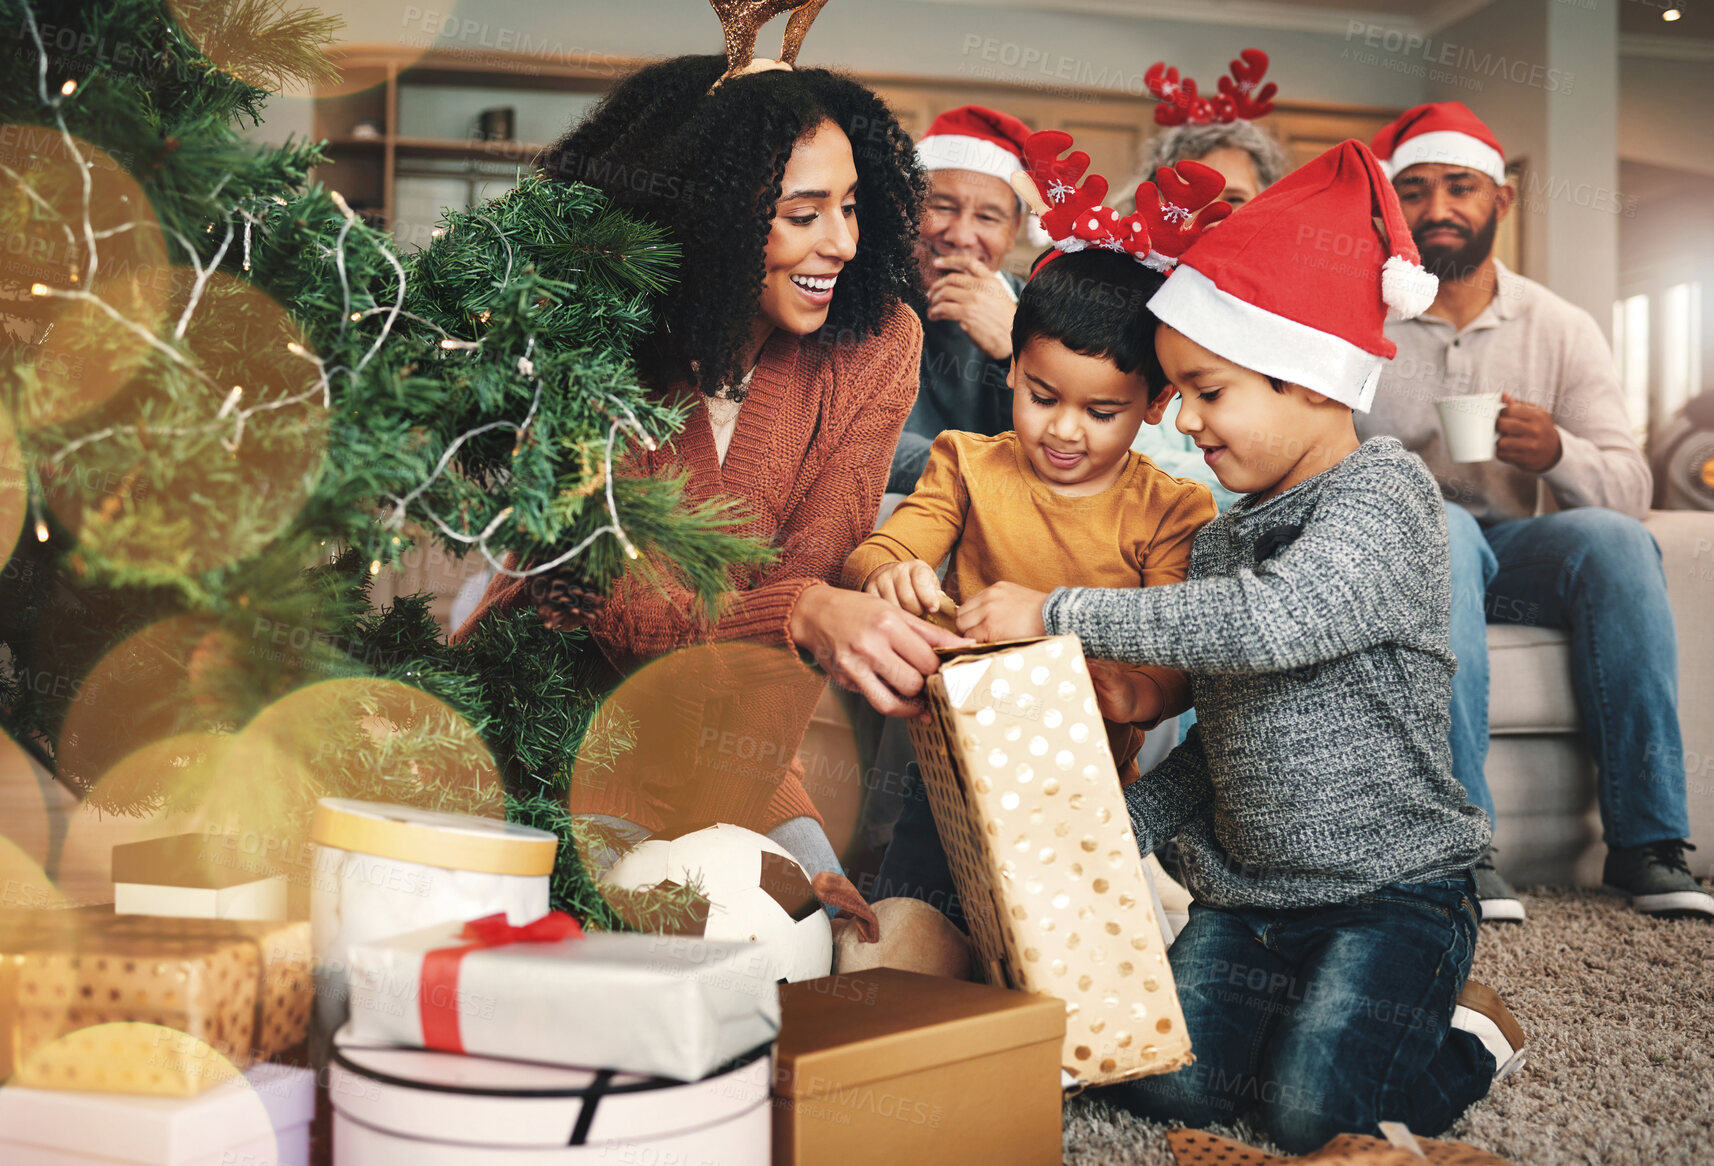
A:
(791, 348)
(813, 235)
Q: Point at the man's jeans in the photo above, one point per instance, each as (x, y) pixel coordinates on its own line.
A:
(1596, 574)
(1325, 1019)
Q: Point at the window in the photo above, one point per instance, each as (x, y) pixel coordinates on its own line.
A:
(1631, 355)
(1680, 349)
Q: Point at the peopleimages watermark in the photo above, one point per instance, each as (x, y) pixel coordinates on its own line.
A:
(1445, 62)
(1050, 68)
(430, 26)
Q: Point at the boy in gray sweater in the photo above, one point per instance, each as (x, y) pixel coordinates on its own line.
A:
(1320, 828)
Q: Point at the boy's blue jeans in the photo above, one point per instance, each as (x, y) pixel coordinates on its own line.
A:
(1325, 1020)
(1597, 574)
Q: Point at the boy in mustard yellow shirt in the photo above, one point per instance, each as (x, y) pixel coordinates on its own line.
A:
(1061, 501)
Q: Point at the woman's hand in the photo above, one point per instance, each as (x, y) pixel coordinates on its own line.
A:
(1123, 696)
(869, 646)
(1004, 611)
(910, 584)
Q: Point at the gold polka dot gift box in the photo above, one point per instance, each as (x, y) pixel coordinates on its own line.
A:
(1027, 802)
(90, 1000)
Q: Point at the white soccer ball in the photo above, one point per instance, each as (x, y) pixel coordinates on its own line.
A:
(756, 891)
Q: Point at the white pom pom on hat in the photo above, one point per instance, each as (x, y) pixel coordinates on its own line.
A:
(1407, 287)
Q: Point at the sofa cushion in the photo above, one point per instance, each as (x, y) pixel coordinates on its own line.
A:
(1549, 829)
(1529, 681)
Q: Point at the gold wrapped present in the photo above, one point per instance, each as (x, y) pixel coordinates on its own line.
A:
(140, 1004)
(1027, 801)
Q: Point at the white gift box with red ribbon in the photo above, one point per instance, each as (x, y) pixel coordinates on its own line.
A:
(661, 1005)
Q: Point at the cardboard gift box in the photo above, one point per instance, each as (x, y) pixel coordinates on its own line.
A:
(892, 1066)
(416, 1107)
(259, 1119)
(192, 876)
(1027, 802)
(135, 1004)
(664, 1005)
(384, 870)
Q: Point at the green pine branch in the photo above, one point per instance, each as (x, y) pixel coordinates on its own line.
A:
(243, 479)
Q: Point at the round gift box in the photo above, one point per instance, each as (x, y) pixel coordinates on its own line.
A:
(384, 870)
(413, 1107)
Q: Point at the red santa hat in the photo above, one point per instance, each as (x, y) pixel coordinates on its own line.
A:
(973, 137)
(1442, 131)
(1298, 282)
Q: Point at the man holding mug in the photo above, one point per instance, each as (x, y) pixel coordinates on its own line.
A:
(1495, 344)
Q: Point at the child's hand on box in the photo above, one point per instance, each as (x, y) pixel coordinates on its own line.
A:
(1124, 697)
(1004, 611)
(910, 584)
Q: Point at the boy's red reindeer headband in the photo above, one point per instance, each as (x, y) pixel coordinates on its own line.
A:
(1172, 211)
(1239, 98)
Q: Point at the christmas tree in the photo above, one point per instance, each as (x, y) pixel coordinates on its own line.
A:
(227, 403)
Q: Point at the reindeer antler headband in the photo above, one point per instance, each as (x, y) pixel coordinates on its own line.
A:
(1239, 98)
(1172, 211)
(742, 21)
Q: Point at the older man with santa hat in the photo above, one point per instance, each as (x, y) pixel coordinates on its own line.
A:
(969, 224)
(1590, 567)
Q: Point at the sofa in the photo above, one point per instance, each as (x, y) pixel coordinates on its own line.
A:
(1542, 776)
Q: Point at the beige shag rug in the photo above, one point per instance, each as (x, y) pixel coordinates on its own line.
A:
(1618, 1015)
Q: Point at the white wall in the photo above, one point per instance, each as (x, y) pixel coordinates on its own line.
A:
(1580, 256)
(1543, 74)
(1666, 112)
(911, 37)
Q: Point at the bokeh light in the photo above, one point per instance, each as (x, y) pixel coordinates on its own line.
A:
(84, 873)
(14, 486)
(366, 738)
(24, 814)
(24, 885)
(118, 1056)
(81, 352)
(137, 693)
(696, 736)
(248, 439)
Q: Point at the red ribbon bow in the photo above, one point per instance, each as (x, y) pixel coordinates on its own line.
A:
(437, 996)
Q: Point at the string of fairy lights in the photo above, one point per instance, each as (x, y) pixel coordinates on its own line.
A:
(234, 412)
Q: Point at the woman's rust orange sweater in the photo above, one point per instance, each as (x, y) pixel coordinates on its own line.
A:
(717, 708)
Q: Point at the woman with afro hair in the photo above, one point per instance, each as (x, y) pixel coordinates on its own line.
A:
(794, 197)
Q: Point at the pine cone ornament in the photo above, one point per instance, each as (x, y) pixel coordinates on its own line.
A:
(565, 600)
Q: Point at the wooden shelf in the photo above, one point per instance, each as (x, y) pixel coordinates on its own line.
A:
(468, 148)
(371, 77)
(570, 73)
(1112, 124)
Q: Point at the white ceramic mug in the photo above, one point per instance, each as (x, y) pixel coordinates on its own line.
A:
(1468, 423)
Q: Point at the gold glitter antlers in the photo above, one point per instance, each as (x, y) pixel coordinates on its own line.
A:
(742, 20)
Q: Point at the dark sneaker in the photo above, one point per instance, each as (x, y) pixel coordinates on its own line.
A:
(1482, 1013)
(1498, 899)
(1657, 879)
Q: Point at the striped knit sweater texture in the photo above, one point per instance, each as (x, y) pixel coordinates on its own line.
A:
(1315, 628)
